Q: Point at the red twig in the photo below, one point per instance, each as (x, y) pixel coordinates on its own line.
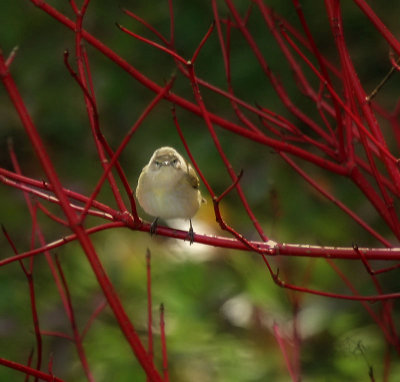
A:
(32, 185)
(202, 42)
(350, 72)
(303, 83)
(58, 277)
(245, 133)
(98, 136)
(325, 74)
(146, 24)
(124, 142)
(152, 43)
(282, 346)
(77, 338)
(225, 48)
(92, 317)
(274, 81)
(230, 188)
(386, 209)
(207, 120)
(106, 146)
(184, 142)
(29, 364)
(83, 238)
(385, 330)
(313, 251)
(394, 61)
(163, 344)
(343, 207)
(369, 269)
(83, 79)
(11, 56)
(149, 306)
(50, 366)
(356, 297)
(35, 317)
(387, 307)
(57, 334)
(342, 104)
(51, 215)
(29, 370)
(379, 25)
(282, 249)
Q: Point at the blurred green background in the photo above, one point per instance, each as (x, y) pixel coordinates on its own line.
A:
(220, 304)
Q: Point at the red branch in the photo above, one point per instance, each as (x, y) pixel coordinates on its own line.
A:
(85, 242)
(149, 307)
(163, 344)
(29, 370)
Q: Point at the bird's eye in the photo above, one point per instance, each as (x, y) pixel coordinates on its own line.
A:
(175, 162)
(158, 164)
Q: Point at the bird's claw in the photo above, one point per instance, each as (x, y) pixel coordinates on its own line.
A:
(190, 234)
(153, 227)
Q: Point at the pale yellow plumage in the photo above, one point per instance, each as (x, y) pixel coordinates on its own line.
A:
(168, 186)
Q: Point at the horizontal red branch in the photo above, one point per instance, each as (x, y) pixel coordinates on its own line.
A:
(269, 248)
(29, 370)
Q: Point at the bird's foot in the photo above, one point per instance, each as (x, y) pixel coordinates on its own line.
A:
(190, 234)
(153, 227)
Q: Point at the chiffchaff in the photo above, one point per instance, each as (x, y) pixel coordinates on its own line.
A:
(168, 188)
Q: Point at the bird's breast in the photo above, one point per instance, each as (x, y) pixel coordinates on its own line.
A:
(169, 194)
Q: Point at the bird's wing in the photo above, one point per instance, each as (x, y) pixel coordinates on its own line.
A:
(192, 176)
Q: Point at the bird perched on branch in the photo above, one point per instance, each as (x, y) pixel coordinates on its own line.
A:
(168, 188)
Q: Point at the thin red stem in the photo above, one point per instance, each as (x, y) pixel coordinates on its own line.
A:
(94, 122)
(32, 297)
(282, 146)
(29, 370)
(51, 215)
(230, 188)
(342, 104)
(197, 94)
(11, 56)
(163, 344)
(29, 364)
(379, 25)
(54, 200)
(92, 317)
(90, 102)
(335, 201)
(389, 338)
(82, 236)
(152, 43)
(337, 27)
(324, 73)
(57, 334)
(146, 24)
(124, 143)
(281, 92)
(77, 338)
(202, 42)
(149, 306)
(184, 142)
(284, 352)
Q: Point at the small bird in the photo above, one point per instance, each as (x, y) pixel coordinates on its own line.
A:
(168, 188)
